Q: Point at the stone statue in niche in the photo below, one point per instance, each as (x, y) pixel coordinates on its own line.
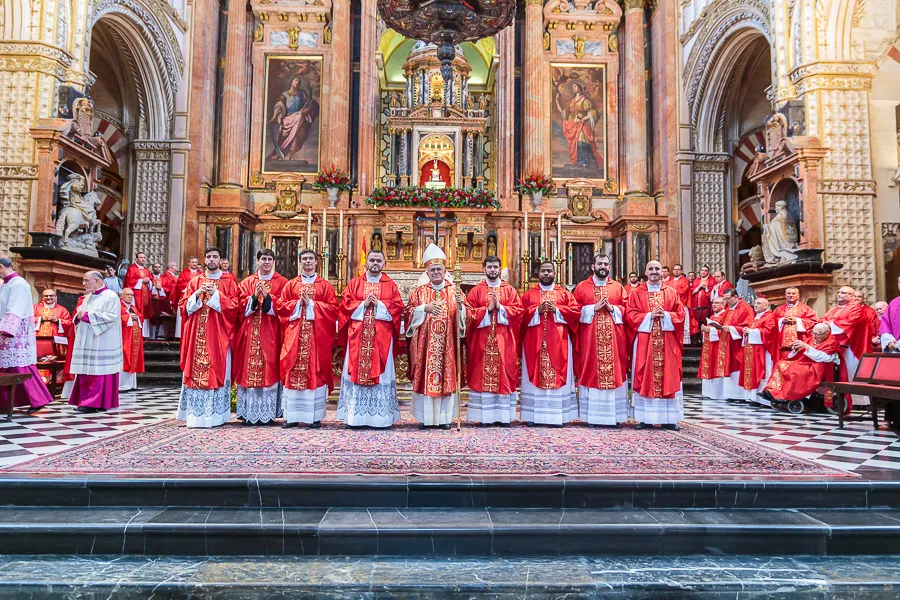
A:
(482, 102)
(395, 100)
(377, 243)
(76, 216)
(780, 237)
(477, 247)
(491, 246)
(407, 250)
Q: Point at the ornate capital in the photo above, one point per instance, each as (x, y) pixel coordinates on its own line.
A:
(534, 3)
(634, 4)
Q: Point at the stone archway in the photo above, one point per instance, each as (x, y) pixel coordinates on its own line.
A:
(727, 74)
(138, 74)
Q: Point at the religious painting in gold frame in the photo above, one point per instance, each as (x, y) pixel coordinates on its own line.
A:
(291, 125)
(578, 121)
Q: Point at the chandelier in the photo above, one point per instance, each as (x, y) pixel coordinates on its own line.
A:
(446, 23)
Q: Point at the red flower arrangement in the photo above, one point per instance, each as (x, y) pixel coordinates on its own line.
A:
(437, 198)
(332, 178)
(536, 182)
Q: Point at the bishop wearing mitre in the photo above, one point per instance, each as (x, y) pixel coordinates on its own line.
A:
(602, 356)
(492, 328)
(308, 310)
(209, 309)
(655, 319)
(548, 377)
(436, 314)
(257, 343)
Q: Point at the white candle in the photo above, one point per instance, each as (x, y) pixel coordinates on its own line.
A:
(341, 233)
(559, 236)
(309, 228)
(525, 246)
(324, 216)
(543, 236)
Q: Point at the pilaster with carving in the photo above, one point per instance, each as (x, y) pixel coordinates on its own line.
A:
(709, 215)
(150, 224)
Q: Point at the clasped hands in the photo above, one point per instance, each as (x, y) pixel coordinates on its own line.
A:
(603, 303)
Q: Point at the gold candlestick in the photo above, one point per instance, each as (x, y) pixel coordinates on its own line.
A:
(340, 267)
(526, 265)
(559, 262)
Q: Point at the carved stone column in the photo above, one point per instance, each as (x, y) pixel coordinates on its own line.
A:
(234, 100)
(368, 97)
(534, 126)
(710, 217)
(338, 137)
(635, 99)
(150, 225)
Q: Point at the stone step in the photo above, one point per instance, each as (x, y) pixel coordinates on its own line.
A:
(204, 531)
(450, 491)
(474, 578)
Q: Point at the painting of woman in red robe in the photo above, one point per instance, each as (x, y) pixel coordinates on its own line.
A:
(292, 121)
(577, 122)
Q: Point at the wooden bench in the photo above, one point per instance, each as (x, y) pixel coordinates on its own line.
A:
(877, 376)
(11, 380)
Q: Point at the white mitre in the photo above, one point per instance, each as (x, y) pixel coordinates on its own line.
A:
(433, 256)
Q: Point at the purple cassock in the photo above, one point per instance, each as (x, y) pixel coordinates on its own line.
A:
(18, 346)
(890, 323)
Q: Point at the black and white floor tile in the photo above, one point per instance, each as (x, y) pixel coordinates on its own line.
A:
(814, 436)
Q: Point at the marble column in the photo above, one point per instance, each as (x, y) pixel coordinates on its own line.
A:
(534, 125)
(234, 100)
(635, 115)
(368, 97)
(338, 124)
(504, 107)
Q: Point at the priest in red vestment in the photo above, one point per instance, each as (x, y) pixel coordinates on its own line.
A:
(67, 377)
(492, 328)
(132, 342)
(759, 352)
(680, 282)
(169, 282)
(436, 315)
(548, 375)
(308, 309)
(806, 367)
(192, 270)
(850, 326)
(601, 355)
(139, 278)
(701, 289)
(226, 271)
(721, 284)
(52, 322)
(257, 342)
(655, 320)
(369, 326)
(715, 355)
(795, 321)
(739, 315)
(209, 308)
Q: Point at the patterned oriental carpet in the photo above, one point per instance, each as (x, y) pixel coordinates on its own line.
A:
(169, 448)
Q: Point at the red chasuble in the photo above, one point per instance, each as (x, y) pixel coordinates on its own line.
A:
(432, 348)
(181, 285)
(206, 335)
(306, 350)
(547, 345)
(493, 364)
(753, 369)
(657, 358)
(254, 357)
(739, 317)
(142, 296)
(719, 289)
(70, 336)
(853, 320)
(48, 329)
(601, 353)
(797, 377)
(683, 287)
(369, 341)
(169, 281)
(132, 340)
(714, 358)
(700, 302)
(788, 334)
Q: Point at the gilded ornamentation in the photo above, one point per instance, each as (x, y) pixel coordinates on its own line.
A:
(258, 32)
(293, 34)
(579, 46)
(613, 42)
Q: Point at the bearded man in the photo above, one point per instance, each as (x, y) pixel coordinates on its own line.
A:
(492, 328)
(548, 375)
(601, 363)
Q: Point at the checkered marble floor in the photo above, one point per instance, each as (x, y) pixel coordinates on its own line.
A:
(857, 447)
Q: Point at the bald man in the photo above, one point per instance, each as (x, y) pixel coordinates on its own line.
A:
(759, 353)
(851, 326)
